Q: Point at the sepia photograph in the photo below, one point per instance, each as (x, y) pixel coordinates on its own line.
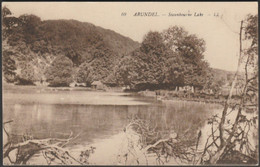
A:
(130, 83)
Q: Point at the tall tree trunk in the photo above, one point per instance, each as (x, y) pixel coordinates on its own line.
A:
(224, 143)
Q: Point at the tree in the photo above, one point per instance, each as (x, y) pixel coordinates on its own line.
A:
(6, 11)
(29, 27)
(145, 68)
(60, 72)
(129, 71)
(214, 82)
(26, 74)
(170, 58)
(33, 39)
(155, 55)
(9, 66)
(174, 75)
(84, 74)
(190, 48)
(230, 137)
(9, 22)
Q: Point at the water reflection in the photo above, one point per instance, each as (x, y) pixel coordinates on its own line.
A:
(100, 121)
(101, 124)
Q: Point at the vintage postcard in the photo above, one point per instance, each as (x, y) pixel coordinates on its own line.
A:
(130, 83)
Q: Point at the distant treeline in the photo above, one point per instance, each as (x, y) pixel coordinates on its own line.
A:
(59, 52)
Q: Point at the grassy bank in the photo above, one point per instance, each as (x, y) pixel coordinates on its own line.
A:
(187, 96)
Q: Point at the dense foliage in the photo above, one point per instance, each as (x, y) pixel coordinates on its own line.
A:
(39, 42)
(84, 74)
(60, 72)
(9, 66)
(168, 59)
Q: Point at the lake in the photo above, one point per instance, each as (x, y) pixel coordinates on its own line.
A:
(99, 117)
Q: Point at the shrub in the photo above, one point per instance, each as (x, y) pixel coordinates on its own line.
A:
(60, 72)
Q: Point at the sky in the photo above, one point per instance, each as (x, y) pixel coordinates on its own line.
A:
(220, 32)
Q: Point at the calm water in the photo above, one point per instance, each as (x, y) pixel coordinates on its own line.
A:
(98, 116)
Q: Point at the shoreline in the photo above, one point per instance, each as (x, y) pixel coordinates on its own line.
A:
(180, 96)
(198, 100)
(161, 95)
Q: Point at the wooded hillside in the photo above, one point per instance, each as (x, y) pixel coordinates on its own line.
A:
(60, 52)
(33, 44)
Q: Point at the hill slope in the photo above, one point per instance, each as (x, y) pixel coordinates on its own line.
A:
(37, 43)
(31, 45)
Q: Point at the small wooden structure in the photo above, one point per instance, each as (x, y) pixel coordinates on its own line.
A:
(97, 85)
